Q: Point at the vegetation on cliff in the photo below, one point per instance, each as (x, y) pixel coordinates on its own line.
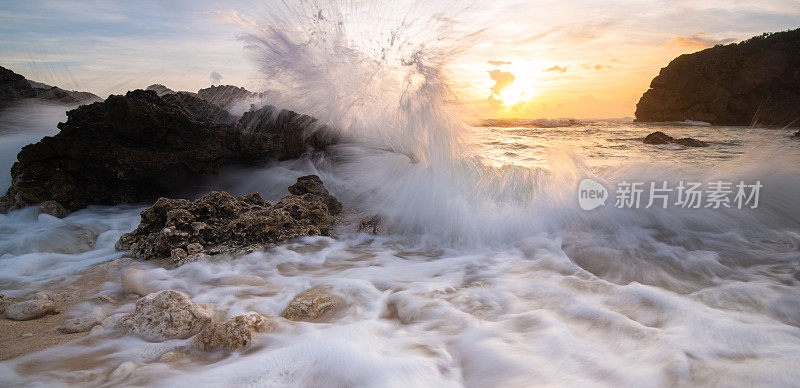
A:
(754, 82)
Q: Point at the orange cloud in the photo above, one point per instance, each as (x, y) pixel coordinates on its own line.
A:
(558, 69)
(498, 63)
(501, 80)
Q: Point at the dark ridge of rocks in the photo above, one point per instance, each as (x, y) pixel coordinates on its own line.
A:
(268, 123)
(14, 87)
(659, 137)
(138, 147)
(756, 82)
(689, 142)
(221, 96)
(161, 90)
(54, 93)
(199, 110)
(224, 96)
(218, 223)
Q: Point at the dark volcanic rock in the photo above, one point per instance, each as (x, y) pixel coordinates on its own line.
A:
(161, 90)
(268, 123)
(312, 184)
(224, 96)
(753, 82)
(659, 137)
(219, 222)
(53, 93)
(137, 147)
(15, 87)
(199, 110)
(689, 142)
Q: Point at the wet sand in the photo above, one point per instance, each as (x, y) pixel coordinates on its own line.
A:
(18, 338)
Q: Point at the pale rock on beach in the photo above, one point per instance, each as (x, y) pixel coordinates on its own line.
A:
(165, 315)
(236, 332)
(31, 309)
(314, 304)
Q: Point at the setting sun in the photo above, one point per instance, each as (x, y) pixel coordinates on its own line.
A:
(514, 96)
(516, 83)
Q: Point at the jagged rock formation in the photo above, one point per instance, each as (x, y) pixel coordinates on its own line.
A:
(219, 223)
(137, 147)
(659, 137)
(54, 93)
(221, 96)
(161, 90)
(224, 96)
(198, 109)
(15, 87)
(753, 82)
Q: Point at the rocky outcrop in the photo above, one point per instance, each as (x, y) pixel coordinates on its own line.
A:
(200, 110)
(166, 315)
(161, 90)
(659, 137)
(14, 87)
(137, 147)
(753, 82)
(314, 304)
(689, 142)
(224, 96)
(219, 223)
(53, 93)
(234, 333)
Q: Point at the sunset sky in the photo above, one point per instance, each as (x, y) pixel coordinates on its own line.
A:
(582, 59)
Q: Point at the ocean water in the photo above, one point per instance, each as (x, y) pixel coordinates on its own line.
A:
(492, 275)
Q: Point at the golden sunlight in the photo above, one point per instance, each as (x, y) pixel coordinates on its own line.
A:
(514, 96)
(513, 85)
